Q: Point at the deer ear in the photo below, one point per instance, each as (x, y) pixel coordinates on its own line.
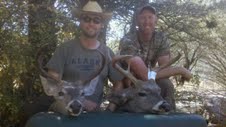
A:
(119, 98)
(50, 87)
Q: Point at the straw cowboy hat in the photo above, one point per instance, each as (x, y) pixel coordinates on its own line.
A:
(92, 7)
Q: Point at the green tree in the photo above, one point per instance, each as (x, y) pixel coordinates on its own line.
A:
(195, 28)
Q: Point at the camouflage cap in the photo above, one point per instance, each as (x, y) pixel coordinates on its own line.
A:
(146, 7)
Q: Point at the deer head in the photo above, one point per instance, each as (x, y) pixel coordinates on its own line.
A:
(144, 96)
(69, 96)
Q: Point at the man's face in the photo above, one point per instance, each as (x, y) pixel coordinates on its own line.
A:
(91, 25)
(146, 21)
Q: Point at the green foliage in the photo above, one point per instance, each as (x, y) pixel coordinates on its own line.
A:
(114, 46)
(10, 105)
(195, 29)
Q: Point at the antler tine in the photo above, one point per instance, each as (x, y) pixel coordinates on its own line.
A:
(127, 72)
(169, 63)
(98, 72)
(39, 58)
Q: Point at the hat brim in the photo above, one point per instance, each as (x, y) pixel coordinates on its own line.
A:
(78, 13)
(146, 7)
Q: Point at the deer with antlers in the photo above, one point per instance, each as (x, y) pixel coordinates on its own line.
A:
(144, 96)
(69, 96)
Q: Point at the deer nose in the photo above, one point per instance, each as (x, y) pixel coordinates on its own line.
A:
(161, 106)
(165, 106)
(75, 108)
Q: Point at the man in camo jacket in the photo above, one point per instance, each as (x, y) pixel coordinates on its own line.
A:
(150, 47)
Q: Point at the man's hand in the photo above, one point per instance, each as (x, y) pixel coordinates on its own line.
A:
(186, 74)
(90, 106)
(111, 107)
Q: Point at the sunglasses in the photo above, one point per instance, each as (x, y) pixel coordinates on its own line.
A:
(87, 19)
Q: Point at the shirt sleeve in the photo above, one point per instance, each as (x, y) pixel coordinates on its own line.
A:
(126, 46)
(164, 45)
(57, 61)
(113, 74)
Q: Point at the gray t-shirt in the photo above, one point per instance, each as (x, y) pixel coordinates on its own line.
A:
(74, 62)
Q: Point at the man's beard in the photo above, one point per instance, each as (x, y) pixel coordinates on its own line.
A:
(148, 31)
(86, 34)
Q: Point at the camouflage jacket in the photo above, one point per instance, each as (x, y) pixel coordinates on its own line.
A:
(149, 52)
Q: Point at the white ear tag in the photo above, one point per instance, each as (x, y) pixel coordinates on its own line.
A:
(151, 74)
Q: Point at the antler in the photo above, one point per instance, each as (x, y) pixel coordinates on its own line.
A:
(167, 64)
(127, 72)
(39, 57)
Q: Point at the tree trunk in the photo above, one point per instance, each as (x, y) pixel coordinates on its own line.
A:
(41, 30)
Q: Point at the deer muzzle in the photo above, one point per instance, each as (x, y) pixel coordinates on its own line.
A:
(75, 107)
(162, 106)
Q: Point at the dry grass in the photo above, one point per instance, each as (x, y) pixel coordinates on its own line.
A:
(207, 99)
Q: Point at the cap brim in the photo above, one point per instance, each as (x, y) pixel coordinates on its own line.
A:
(77, 13)
(146, 7)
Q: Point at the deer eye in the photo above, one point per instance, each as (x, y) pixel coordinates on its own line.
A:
(61, 93)
(142, 94)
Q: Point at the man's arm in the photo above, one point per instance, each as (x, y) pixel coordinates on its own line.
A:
(170, 71)
(138, 67)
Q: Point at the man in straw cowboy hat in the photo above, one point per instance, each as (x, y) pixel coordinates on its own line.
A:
(79, 58)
